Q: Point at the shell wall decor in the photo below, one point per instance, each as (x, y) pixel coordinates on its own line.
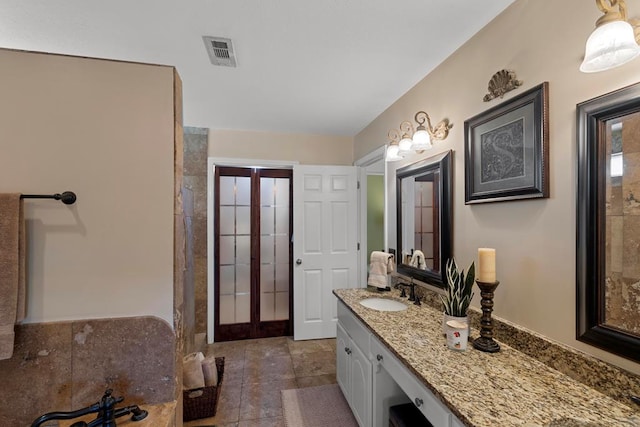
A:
(501, 82)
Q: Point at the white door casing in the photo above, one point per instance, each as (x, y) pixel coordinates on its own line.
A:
(372, 163)
(325, 230)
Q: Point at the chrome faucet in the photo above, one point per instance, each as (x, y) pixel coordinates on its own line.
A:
(107, 413)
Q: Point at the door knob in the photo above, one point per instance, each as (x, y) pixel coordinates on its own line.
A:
(298, 261)
(379, 364)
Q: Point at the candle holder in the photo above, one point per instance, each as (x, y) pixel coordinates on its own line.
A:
(485, 341)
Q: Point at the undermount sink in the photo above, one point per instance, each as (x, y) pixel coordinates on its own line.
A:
(383, 304)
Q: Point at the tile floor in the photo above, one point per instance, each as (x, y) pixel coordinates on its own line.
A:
(255, 371)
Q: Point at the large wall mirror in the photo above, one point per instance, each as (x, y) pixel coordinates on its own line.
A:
(608, 222)
(425, 218)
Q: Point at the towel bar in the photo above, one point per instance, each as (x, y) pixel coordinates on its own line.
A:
(68, 197)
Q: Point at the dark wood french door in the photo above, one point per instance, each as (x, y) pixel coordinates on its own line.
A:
(253, 279)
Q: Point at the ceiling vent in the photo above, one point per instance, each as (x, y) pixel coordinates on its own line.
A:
(220, 51)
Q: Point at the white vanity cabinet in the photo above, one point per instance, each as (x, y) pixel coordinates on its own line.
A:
(372, 378)
(353, 367)
(430, 406)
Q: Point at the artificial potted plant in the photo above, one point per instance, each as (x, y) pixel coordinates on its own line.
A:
(459, 291)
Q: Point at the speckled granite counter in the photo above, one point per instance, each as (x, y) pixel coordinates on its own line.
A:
(507, 388)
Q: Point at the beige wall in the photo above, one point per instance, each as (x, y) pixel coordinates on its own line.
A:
(303, 148)
(104, 130)
(542, 40)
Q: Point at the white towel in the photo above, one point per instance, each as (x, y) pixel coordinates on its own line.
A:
(417, 260)
(192, 375)
(380, 266)
(210, 371)
(12, 270)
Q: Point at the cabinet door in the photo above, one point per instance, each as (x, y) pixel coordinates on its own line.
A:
(360, 386)
(342, 361)
(455, 422)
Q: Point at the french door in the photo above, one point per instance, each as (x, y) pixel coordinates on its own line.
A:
(253, 225)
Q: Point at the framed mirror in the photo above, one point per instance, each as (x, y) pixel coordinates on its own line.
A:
(424, 216)
(608, 222)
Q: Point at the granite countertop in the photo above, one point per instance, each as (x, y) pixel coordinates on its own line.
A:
(160, 415)
(507, 388)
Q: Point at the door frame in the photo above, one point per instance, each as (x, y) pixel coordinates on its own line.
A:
(212, 162)
(362, 163)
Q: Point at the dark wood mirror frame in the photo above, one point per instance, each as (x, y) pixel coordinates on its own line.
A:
(592, 116)
(443, 163)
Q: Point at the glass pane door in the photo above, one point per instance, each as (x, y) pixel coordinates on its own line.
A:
(235, 250)
(252, 246)
(274, 248)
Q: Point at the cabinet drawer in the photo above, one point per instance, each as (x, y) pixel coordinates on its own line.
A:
(428, 404)
(354, 328)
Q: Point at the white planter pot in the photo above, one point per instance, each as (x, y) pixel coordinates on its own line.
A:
(457, 335)
(446, 318)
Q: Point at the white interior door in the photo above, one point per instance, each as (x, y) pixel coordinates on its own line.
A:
(325, 252)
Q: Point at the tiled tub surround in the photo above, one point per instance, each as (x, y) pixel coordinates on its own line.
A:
(622, 271)
(195, 179)
(65, 366)
(482, 389)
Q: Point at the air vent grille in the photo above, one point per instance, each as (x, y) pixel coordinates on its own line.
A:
(220, 51)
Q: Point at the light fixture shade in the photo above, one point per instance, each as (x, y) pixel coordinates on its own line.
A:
(393, 153)
(405, 144)
(609, 46)
(421, 140)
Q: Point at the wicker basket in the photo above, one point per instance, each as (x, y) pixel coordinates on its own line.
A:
(203, 402)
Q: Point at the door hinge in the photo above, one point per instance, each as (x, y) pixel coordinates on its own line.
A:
(358, 186)
(358, 245)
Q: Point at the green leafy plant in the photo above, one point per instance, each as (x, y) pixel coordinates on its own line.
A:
(459, 289)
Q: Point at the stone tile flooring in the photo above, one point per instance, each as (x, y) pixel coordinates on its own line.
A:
(255, 371)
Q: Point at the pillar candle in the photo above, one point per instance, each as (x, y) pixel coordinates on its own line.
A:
(486, 265)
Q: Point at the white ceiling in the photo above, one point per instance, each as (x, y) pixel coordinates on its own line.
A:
(322, 67)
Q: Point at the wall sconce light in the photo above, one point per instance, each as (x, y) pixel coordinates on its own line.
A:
(393, 150)
(407, 140)
(614, 41)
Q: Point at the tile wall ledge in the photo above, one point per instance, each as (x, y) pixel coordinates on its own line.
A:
(196, 130)
(66, 365)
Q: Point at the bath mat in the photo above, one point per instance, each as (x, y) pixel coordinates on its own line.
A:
(320, 406)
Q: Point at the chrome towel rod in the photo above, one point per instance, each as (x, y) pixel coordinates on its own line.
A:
(68, 197)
